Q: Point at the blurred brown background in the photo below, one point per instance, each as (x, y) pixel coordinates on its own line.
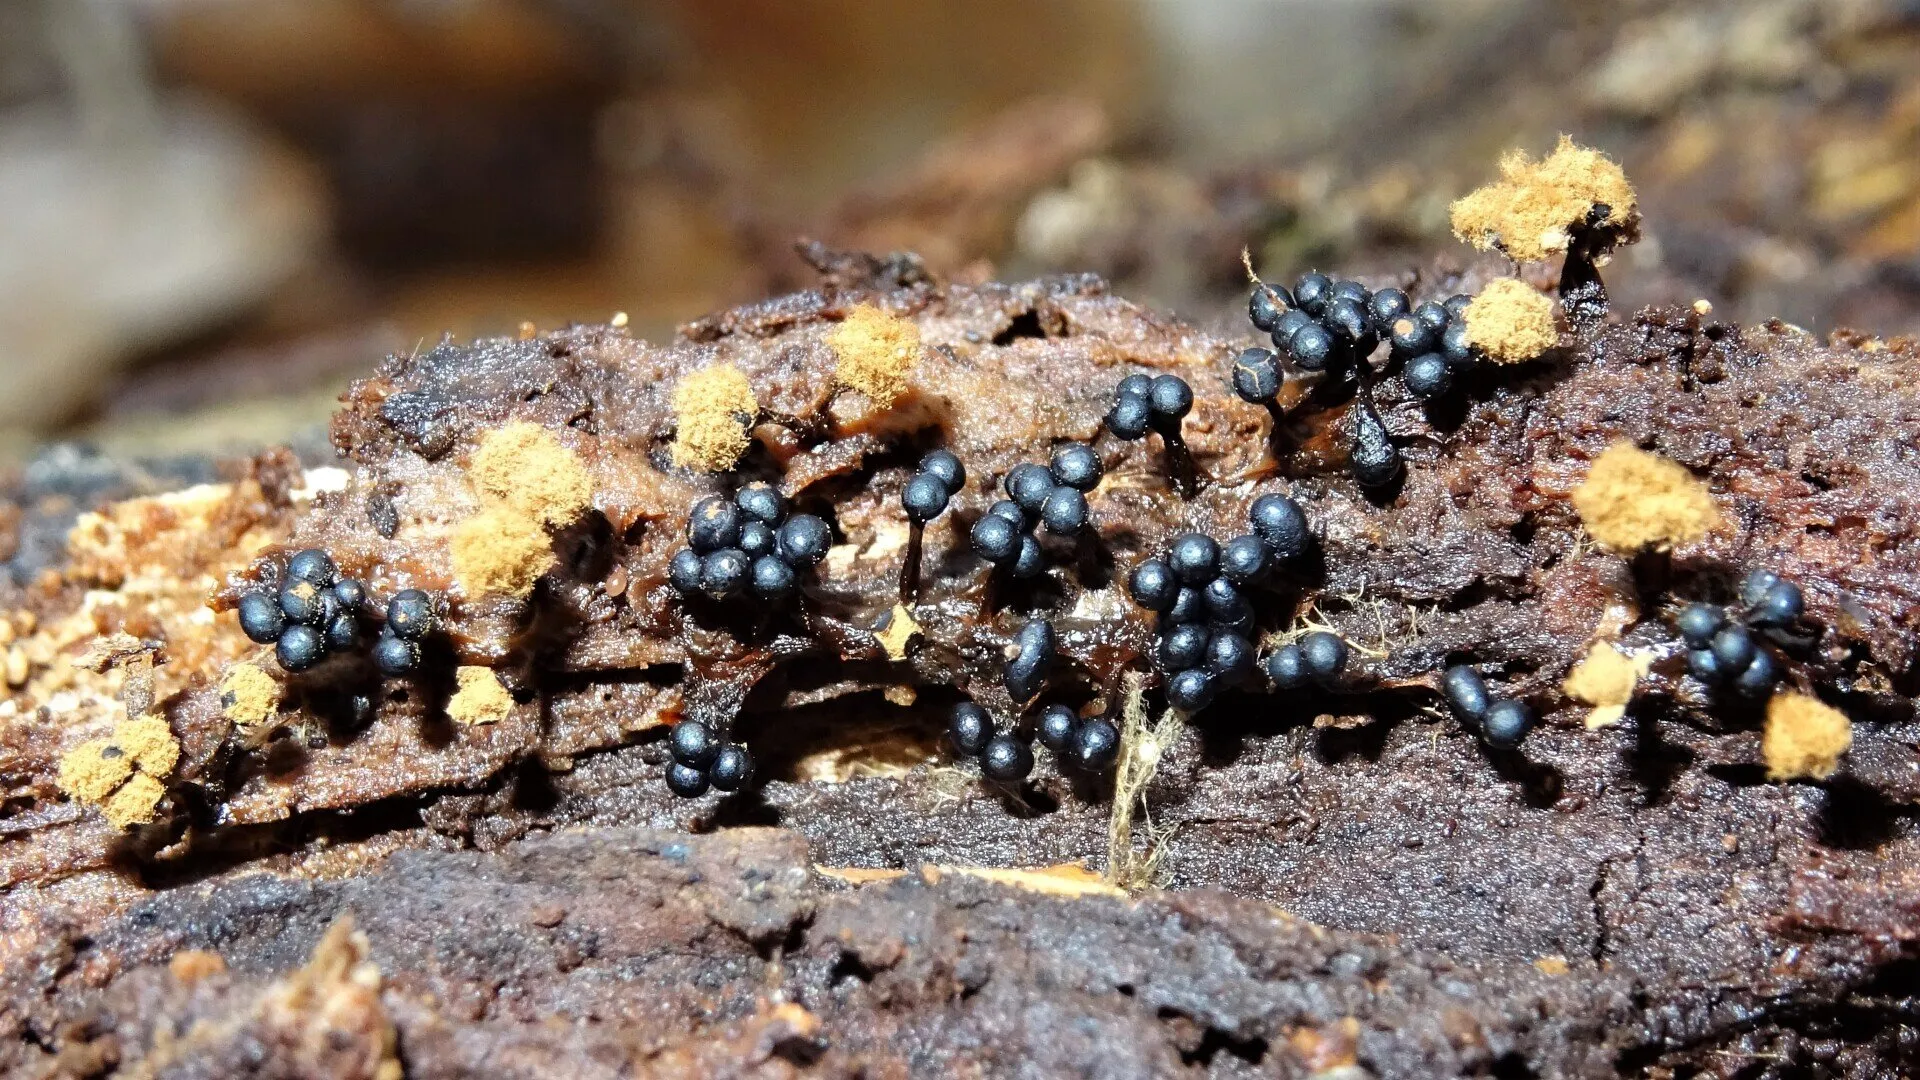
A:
(215, 212)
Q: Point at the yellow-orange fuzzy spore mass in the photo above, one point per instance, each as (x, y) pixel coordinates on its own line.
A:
(876, 353)
(499, 552)
(123, 773)
(1632, 499)
(1530, 211)
(713, 409)
(1511, 322)
(479, 697)
(526, 467)
(1804, 737)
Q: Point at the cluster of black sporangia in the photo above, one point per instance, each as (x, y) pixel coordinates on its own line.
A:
(1089, 743)
(925, 497)
(1199, 591)
(1005, 755)
(1501, 722)
(316, 613)
(1143, 403)
(933, 485)
(1317, 658)
(1051, 497)
(702, 759)
(1724, 648)
(1335, 326)
(1328, 325)
(750, 545)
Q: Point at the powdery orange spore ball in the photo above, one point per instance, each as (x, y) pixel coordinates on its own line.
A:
(713, 409)
(479, 697)
(1531, 210)
(876, 352)
(1632, 499)
(499, 552)
(1804, 737)
(1511, 322)
(526, 467)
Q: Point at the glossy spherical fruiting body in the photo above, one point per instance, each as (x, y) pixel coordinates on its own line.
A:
(1183, 646)
(394, 655)
(1171, 399)
(1733, 648)
(1280, 524)
(686, 781)
(1153, 585)
(1257, 376)
(732, 768)
(261, 618)
(1076, 466)
(1229, 656)
(1347, 319)
(1505, 723)
(1245, 560)
(1096, 744)
(1290, 324)
(1702, 664)
(968, 728)
(410, 614)
(1267, 305)
(1030, 561)
(1191, 690)
(312, 565)
(1760, 676)
(772, 579)
(946, 466)
(299, 648)
(683, 572)
(1006, 759)
(804, 540)
(924, 498)
(1408, 337)
(1311, 347)
(1387, 307)
(342, 633)
(758, 538)
(1130, 417)
(1455, 347)
(1065, 511)
(1055, 727)
(692, 743)
(724, 573)
(1698, 623)
(1194, 557)
(1287, 668)
(351, 594)
(761, 502)
(1427, 376)
(1780, 605)
(1028, 485)
(1753, 588)
(714, 523)
(995, 538)
(304, 602)
(1311, 292)
(1466, 692)
(1325, 655)
(1226, 604)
